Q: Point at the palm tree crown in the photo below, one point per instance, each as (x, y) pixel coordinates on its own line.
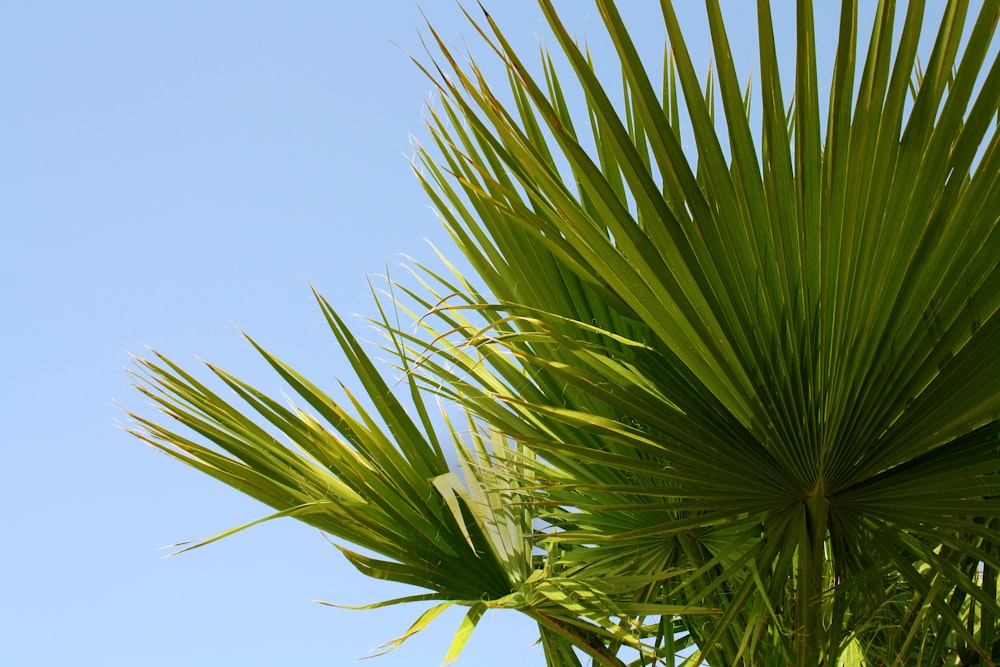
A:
(744, 402)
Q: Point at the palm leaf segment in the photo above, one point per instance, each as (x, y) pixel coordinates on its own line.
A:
(380, 482)
(765, 382)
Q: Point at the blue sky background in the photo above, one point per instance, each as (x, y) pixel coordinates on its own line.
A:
(170, 172)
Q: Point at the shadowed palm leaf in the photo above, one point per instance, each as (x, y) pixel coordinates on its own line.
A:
(749, 402)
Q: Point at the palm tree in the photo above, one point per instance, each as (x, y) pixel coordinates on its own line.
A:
(744, 404)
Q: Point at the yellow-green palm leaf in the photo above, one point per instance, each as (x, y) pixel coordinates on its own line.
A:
(747, 401)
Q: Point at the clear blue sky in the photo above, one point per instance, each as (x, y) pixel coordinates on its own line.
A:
(169, 172)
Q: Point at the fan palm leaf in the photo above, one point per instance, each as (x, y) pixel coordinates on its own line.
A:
(745, 399)
(783, 301)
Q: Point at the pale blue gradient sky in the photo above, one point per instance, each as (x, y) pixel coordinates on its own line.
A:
(168, 172)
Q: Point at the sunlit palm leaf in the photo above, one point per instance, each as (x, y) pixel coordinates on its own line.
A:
(748, 401)
(806, 325)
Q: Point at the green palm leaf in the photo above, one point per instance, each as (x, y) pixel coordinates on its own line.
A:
(748, 401)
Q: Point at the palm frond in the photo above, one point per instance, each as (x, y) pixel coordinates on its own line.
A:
(746, 400)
